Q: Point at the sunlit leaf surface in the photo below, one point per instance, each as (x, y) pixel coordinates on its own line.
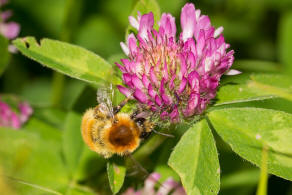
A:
(116, 174)
(68, 59)
(195, 159)
(278, 85)
(247, 130)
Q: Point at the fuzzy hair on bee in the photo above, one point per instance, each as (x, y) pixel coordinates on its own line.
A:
(107, 131)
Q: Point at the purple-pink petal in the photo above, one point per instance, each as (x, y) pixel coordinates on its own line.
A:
(124, 90)
(158, 100)
(15, 121)
(145, 81)
(5, 15)
(194, 80)
(122, 68)
(9, 118)
(10, 29)
(175, 78)
(133, 21)
(174, 115)
(125, 48)
(152, 93)
(2, 2)
(182, 85)
(25, 111)
(146, 25)
(127, 78)
(137, 82)
(153, 77)
(140, 96)
(188, 20)
(132, 44)
(179, 191)
(167, 24)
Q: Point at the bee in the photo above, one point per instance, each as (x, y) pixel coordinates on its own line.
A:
(107, 131)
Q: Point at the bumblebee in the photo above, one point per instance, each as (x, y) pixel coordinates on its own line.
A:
(107, 131)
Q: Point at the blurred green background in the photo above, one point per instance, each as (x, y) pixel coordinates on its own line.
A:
(258, 30)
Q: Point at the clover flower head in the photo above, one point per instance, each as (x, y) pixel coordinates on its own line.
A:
(9, 118)
(8, 29)
(168, 186)
(174, 77)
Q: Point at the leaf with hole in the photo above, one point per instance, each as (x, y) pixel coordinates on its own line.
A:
(68, 59)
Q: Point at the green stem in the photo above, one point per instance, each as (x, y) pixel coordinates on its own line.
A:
(263, 183)
(57, 88)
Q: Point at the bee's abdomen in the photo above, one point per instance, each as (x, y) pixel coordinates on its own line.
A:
(121, 136)
(86, 128)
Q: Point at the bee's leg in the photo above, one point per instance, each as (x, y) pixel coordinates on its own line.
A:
(134, 114)
(138, 113)
(120, 106)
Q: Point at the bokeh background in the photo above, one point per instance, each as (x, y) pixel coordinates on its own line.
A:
(259, 31)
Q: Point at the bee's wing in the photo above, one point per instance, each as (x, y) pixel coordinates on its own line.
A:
(105, 96)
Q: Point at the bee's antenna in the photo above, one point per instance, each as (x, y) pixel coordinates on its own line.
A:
(164, 134)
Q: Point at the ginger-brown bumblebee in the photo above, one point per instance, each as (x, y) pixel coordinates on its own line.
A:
(107, 131)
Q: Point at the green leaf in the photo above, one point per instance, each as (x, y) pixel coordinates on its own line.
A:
(37, 92)
(24, 156)
(144, 7)
(231, 94)
(5, 55)
(285, 41)
(90, 164)
(72, 142)
(240, 178)
(32, 187)
(43, 130)
(247, 130)
(116, 172)
(241, 92)
(195, 159)
(173, 7)
(52, 116)
(72, 91)
(68, 59)
(278, 85)
(255, 66)
(77, 190)
(166, 172)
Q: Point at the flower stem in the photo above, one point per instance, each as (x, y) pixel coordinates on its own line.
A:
(263, 183)
(57, 88)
